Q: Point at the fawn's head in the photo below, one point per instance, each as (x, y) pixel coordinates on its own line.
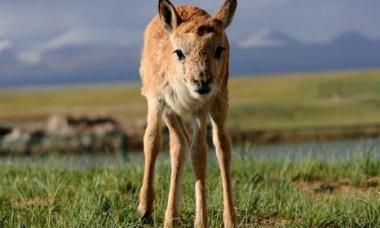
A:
(199, 45)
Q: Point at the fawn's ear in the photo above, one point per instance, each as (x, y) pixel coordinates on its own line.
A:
(168, 15)
(226, 13)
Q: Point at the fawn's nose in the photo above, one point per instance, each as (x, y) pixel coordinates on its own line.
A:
(204, 87)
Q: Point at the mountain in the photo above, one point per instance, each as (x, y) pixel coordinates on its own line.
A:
(72, 65)
(266, 39)
(260, 53)
(351, 39)
(347, 51)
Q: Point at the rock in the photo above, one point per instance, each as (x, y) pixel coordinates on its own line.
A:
(66, 134)
(58, 125)
(4, 130)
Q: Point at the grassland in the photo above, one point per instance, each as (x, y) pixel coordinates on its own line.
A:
(286, 101)
(301, 193)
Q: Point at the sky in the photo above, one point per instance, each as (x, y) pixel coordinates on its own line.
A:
(33, 27)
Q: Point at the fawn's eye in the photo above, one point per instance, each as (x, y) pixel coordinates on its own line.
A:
(180, 55)
(219, 52)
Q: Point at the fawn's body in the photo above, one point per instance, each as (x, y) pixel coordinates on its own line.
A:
(184, 70)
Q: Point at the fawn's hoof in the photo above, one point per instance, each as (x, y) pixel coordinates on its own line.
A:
(146, 219)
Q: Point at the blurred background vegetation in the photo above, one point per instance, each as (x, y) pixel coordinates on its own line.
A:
(273, 101)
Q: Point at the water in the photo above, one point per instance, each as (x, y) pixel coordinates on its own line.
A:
(333, 150)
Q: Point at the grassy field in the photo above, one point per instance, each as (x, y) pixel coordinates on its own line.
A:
(301, 193)
(287, 101)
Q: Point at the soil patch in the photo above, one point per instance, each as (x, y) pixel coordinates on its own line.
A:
(370, 185)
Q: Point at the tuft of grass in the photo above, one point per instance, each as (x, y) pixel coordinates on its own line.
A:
(267, 193)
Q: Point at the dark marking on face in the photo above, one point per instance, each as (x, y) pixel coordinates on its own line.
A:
(205, 29)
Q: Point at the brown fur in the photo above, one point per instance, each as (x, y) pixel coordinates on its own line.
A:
(171, 87)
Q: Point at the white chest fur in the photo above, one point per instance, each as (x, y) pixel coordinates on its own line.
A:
(178, 98)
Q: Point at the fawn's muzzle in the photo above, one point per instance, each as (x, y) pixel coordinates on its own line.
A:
(203, 88)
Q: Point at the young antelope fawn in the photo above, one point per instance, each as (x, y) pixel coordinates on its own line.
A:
(184, 70)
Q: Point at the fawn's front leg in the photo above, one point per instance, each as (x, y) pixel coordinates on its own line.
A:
(152, 144)
(222, 145)
(178, 151)
(199, 160)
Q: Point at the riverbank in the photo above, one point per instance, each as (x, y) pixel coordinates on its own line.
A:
(84, 135)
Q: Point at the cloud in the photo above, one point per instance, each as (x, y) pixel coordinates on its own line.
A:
(30, 58)
(5, 44)
(96, 37)
(99, 38)
(35, 55)
(259, 4)
(39, 26)
(28, 23)
(260, 39)
(70, 38)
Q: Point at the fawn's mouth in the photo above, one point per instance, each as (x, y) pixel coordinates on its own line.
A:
(203, 90)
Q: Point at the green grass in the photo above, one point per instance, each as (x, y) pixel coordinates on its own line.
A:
(320, 99)
(267, 192)
(287, 101)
